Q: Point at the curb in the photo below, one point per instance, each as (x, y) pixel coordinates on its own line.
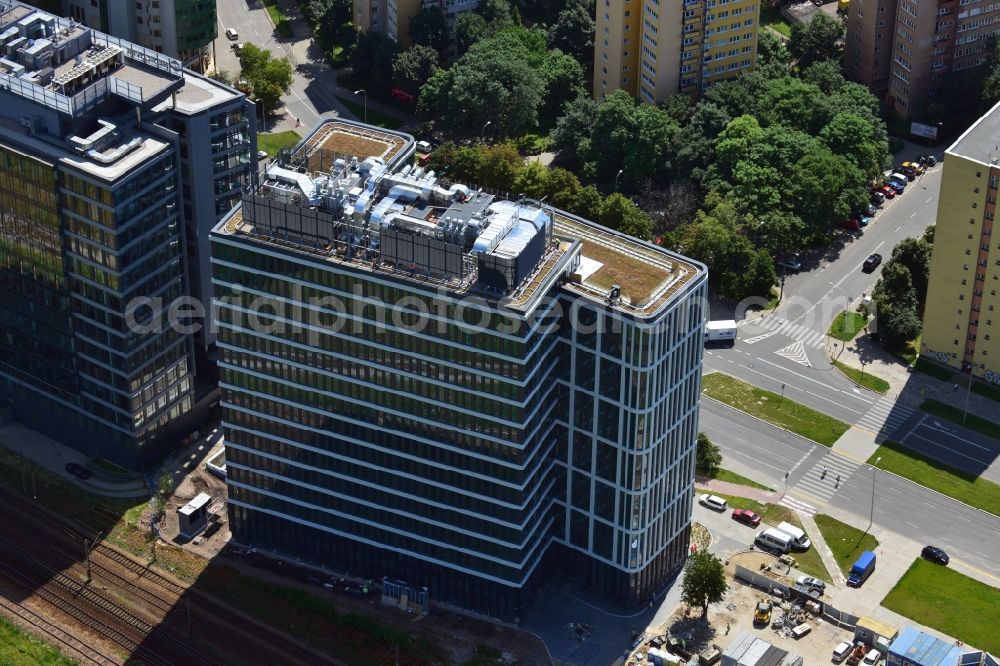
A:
(863, 388)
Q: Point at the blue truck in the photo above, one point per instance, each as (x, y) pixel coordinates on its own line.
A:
(862, 569)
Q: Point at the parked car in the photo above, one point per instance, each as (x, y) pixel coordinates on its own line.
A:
(897, 185)
(261, 154)
(791, 263)
(873, 658)
(713, 502)
(863, 220)
(79, 471)
(916, 166)
(888, 191)
(878, 198)
(935, 554)
(872, 262)
(906, 171)
(809, 581)
(871, 210)
(424, 147)
(927, 160)
(900, 178)
(851, 225)
(232, 34)
(747, 517)
(841, 651)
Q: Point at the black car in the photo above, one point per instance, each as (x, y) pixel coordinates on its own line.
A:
(934, 554)
(907, 171)
(79, 471)
(878, 198)
(872, 262)
(927, 160)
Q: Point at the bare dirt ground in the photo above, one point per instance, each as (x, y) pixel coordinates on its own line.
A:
(346, 140)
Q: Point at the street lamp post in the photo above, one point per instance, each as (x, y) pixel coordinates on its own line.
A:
(362, 91)
(617, 176)
(968, 394)
(871, 516)
(482, 132)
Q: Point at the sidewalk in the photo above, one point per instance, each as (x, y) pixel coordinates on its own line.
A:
(54, 457)
(727, 488)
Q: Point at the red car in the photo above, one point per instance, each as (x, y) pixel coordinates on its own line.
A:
(888, 191)
(747, 517)
(851, 225)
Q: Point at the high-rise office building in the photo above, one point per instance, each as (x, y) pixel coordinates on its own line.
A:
(181, 29)
(654, 50)
(97, 136)
(424, 381)
(903, 49)
(962, 315)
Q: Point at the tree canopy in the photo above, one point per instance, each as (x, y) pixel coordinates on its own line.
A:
(573, 33)
(268, 77)
(817, 40)
(901, 292)
(704, 581)
(709, 458)
(429, 27)
(414, 67)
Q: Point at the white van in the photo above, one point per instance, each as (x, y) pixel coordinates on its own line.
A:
(232, 34)
(772, 538)
(799, 538)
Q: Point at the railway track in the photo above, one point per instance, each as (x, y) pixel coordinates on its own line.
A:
(143, 571)
(97, 611)
(76, 648)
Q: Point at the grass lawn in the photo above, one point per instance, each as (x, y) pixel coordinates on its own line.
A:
(910, 353)
(950, 602)
(986, 390)
(771, 16)
(845, 541)
(374, 117)
(866, 379)
(847, 325)
(637, 279)
(773, 408)
(20, 647)
(973, 490)
(955, 415)
(934, 370)
(281, 24)
(733, 477)
(808, 562)
(273, 142)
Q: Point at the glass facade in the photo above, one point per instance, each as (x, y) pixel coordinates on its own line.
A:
(377, 427)
(73, 255)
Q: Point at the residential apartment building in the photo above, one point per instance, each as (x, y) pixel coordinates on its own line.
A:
(655, 49)
(96, 140)
(427, 382)
(962, 316)
(181, 29)
(389, 17)
(903, 49)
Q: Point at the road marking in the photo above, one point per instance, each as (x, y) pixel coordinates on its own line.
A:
(913, 214)
(897, 228)
(954, 435)
(895, 490)
(929, 199)
(816, 381)
(962, 518)
(916, 527)
(946, 448)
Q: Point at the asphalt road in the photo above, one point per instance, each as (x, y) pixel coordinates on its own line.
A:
(789, 346)
(900, 506)
(952, 444)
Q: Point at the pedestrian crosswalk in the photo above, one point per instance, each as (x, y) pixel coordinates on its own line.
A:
(820, 483)
(795, 352)
(885, 416)
(797, 332)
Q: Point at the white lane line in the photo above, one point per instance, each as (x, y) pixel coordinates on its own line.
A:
(929, 199)
(897, 228)
(913, 214)
(946, 448)
(916, 527)
(801, 376)
(895, 490)
(962, 518)
(954, 435)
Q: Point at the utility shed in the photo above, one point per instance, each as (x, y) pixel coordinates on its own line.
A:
(748, 650)
(192, 518)
(915, 648)
(871, 631)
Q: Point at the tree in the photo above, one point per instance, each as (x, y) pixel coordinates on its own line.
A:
(269, 77)
(895, 298)
(575, 125)
(470, 27)
(825, 75)
(619, 213)
(498, 14)
(573, 33)
(374, 55)
(915, 255)
(223, 77)
(929, 234)
(709, 458)
(771, 50)
(817, 40)
(704, 581)
(429, 27)
(414, 67)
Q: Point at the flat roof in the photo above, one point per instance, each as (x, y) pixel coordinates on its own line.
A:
(981, 142)
(13, 134)
(197, 94)
(924, 649)
(342, 138)
(200, 500)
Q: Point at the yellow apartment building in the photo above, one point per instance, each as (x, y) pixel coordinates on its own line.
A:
(656, 48)
(962, 317)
